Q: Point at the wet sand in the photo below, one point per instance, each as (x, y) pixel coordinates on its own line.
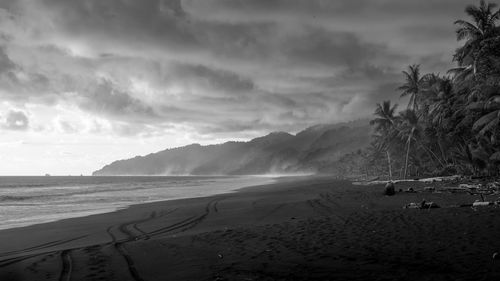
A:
(296, 229)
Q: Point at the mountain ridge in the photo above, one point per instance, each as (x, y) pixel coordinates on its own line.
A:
(312, 150)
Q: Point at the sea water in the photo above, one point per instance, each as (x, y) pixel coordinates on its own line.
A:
(32, 200)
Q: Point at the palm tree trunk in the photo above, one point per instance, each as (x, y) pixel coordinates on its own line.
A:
(432, 154)
(389, 162)
(407, 155)
(443, 154)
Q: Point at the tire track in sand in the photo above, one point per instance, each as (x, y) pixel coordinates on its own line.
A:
(27, 255)
(41, 246)
(128, 229)
(67, 266)
(188, 223)
(118, 245)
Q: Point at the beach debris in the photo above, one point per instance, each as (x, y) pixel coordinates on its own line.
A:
(390, 189)
(439, 179)
(489, 188)
(410, 190)
(429, 188)
(480, 189)
(421, 205)
(478, 203)
(412, 206)
(471, 187)
(457, 190)
(426, 180)
(475, 189)
(494, 185)
(430, 205)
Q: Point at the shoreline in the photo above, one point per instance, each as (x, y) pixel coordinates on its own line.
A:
(296, 229)
(244, 181)
(152, 204)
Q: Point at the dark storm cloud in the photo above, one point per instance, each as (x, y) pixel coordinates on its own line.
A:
(319, 46)
(361, 79)
(18, 83)
(6, 64)
(218, 79)
(146, 23)
(156, 26)
(220, 66)
(104, 98)
(8, 4)
(322, 7)
(132, 22)
(238, 40)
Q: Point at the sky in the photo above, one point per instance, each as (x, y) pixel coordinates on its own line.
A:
(87, 82)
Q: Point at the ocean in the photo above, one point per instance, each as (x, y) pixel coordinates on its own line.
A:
(32, 200)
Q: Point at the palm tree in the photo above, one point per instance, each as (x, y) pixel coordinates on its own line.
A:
(441, 94)
(413, 85)
(461, 75)
(384, 125)
(488, 123)
(385, 116)
(431, 87)
(462, 153)
(440, 109)
(408, 129)
(450, 121)
(382, 144)
(482, 27)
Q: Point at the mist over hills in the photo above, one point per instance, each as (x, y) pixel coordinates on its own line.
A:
(314, 150)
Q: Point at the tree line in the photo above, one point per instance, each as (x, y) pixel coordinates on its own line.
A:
(451, 123)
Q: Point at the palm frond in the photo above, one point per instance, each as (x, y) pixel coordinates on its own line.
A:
(490, 126)
(484, 120)
(466, 30)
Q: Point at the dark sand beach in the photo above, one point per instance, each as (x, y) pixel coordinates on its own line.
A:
(296, 229)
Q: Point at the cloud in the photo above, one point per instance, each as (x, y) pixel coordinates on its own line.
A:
(104, 98)
(16, 82)
(15, 120)
(217, 67)
(67, 127)
(6, 65)
(136, 24)
(221, 80)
